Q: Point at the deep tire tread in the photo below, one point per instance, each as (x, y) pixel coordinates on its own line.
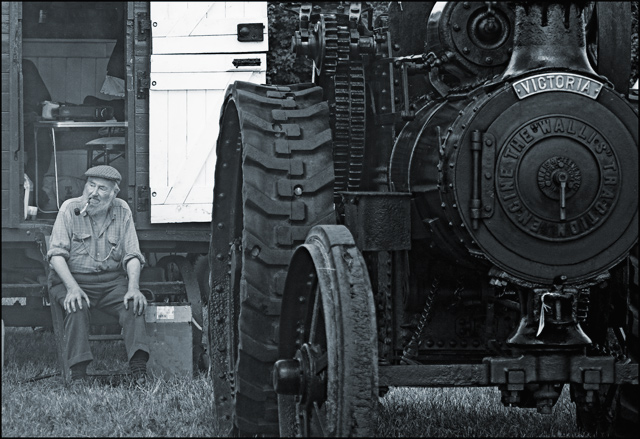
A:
(267, 242)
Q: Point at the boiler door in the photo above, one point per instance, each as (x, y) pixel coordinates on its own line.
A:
(557, 177)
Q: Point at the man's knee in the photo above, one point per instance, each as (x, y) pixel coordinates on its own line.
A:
(79, 316)
(127, 315)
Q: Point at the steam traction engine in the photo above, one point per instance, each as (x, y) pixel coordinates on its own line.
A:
(453, 202)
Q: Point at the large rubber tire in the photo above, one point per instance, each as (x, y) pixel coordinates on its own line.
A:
(274, 181)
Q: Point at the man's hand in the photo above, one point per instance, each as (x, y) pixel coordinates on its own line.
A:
(75, 295)
(139, 301)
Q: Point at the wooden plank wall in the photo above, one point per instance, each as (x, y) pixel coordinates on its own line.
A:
(11, 40)
(71, 69)
(138, 124)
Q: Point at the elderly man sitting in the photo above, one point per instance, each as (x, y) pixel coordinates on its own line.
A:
(93, 242)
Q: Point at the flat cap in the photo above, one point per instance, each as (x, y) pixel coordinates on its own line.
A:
(104, 171)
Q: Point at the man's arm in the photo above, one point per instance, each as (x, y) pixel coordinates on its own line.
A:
(74, 292)
(133, 290)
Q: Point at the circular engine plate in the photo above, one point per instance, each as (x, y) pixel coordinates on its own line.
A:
(564, 181)
(540, 173)
(542, 182)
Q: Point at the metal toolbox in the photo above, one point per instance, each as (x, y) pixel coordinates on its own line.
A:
(170, 339)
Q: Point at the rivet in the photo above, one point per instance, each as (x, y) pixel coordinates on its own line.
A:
(465, 5)
(429, 343)
(465, 50)
(476, 343)
(456, 27)
(220, 225)
(440, 343)
(487, 208)
(443, 205)
(451, 165)
(297, 190)
(302, 299)
(219, 289)
(487, 175)
(452, 343)
(221, 195)
(488, 142)
(219, 256)
(455, 206)
(488, 60)
(255, 251)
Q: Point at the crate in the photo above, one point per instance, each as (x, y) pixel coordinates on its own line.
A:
(170, 339)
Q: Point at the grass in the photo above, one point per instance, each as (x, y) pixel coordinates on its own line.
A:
(184, 407)
(468, 412)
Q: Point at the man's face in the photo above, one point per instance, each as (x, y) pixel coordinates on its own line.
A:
(100, 192)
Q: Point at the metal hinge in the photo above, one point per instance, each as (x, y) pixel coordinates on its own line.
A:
(144, 26)
(143, 84)
(246, 62)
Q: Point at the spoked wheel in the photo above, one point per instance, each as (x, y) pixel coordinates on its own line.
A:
(327, 378)
(274, 181)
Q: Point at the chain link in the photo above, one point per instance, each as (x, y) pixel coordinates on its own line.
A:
(410, 352)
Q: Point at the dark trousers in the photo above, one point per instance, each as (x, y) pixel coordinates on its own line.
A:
(106, 292)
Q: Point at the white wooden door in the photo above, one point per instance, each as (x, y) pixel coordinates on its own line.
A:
(194, 46)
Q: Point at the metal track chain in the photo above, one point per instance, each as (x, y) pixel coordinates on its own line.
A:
(350, 123)
(349, 101)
